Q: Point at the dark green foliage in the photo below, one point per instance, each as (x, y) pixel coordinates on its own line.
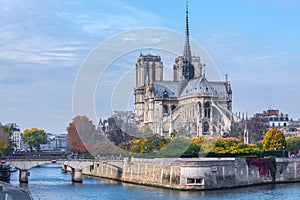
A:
(293, 144)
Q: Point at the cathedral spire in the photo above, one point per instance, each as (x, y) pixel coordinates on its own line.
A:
(187, 68)
(187, 50)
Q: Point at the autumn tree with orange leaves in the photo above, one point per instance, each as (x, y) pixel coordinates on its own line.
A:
(78, 132)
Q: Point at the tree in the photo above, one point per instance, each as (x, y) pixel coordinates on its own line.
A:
(145, 145)
(274, 140)
(11, 145)
(34, 138)
(79, 134)
(6, 129)
(116, 134)
(293, 144)
(256, 127)
(3, 140)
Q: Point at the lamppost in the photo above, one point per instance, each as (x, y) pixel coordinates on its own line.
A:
(144, 153)
(283, 147)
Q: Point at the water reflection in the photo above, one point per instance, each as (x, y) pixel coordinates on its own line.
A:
(49, 182)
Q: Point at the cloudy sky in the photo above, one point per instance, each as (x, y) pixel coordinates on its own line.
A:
(44, 43)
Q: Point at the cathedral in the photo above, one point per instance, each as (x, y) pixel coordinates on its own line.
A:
(190, 102)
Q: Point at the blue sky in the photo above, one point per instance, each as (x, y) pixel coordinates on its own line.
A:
(43, 45)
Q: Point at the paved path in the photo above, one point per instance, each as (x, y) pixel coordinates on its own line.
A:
(10, 192)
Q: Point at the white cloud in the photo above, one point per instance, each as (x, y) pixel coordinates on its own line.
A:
(43, 45)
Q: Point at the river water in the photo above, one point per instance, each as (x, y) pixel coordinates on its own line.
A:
(49, 182)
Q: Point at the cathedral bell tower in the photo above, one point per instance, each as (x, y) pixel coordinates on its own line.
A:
(149, 68)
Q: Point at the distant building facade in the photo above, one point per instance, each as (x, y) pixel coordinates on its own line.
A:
(15, 135)
(274, 118)
(61, 142)
(50, 145)
(203, 107)
(56, 142)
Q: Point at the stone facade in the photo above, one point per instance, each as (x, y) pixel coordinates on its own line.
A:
(190, 101)
(198, 173)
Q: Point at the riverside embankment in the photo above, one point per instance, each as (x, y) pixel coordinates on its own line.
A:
(8, 191)
(199, 173)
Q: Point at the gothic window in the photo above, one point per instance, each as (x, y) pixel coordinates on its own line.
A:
(207, 109)
(173, 107)
(165, 109)
(199, 109)
(205, 127)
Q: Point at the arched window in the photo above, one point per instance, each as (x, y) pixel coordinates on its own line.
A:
(165, 109)
(173, 107)
(205, 127)
(199, 109)
(207, 109)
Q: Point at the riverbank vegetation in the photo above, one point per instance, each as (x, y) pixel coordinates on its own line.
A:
(186, 147)
(273, 144)
(83, 136)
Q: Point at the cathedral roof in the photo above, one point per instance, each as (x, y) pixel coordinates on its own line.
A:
(166, 86)
(220, 89)
(198, 85)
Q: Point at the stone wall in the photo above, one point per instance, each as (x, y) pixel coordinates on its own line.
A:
(104, 171)
(158, 172)
(287, 169)
(199, 173)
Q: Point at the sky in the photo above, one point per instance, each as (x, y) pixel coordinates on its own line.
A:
(43, 46)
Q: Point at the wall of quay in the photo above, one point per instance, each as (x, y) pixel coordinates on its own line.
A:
(199, 173)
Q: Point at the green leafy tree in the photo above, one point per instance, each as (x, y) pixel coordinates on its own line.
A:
(6, 129)
(274, 140)
(293, 144)
(34, 138)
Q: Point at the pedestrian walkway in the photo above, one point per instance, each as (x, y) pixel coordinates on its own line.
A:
(10, 192)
